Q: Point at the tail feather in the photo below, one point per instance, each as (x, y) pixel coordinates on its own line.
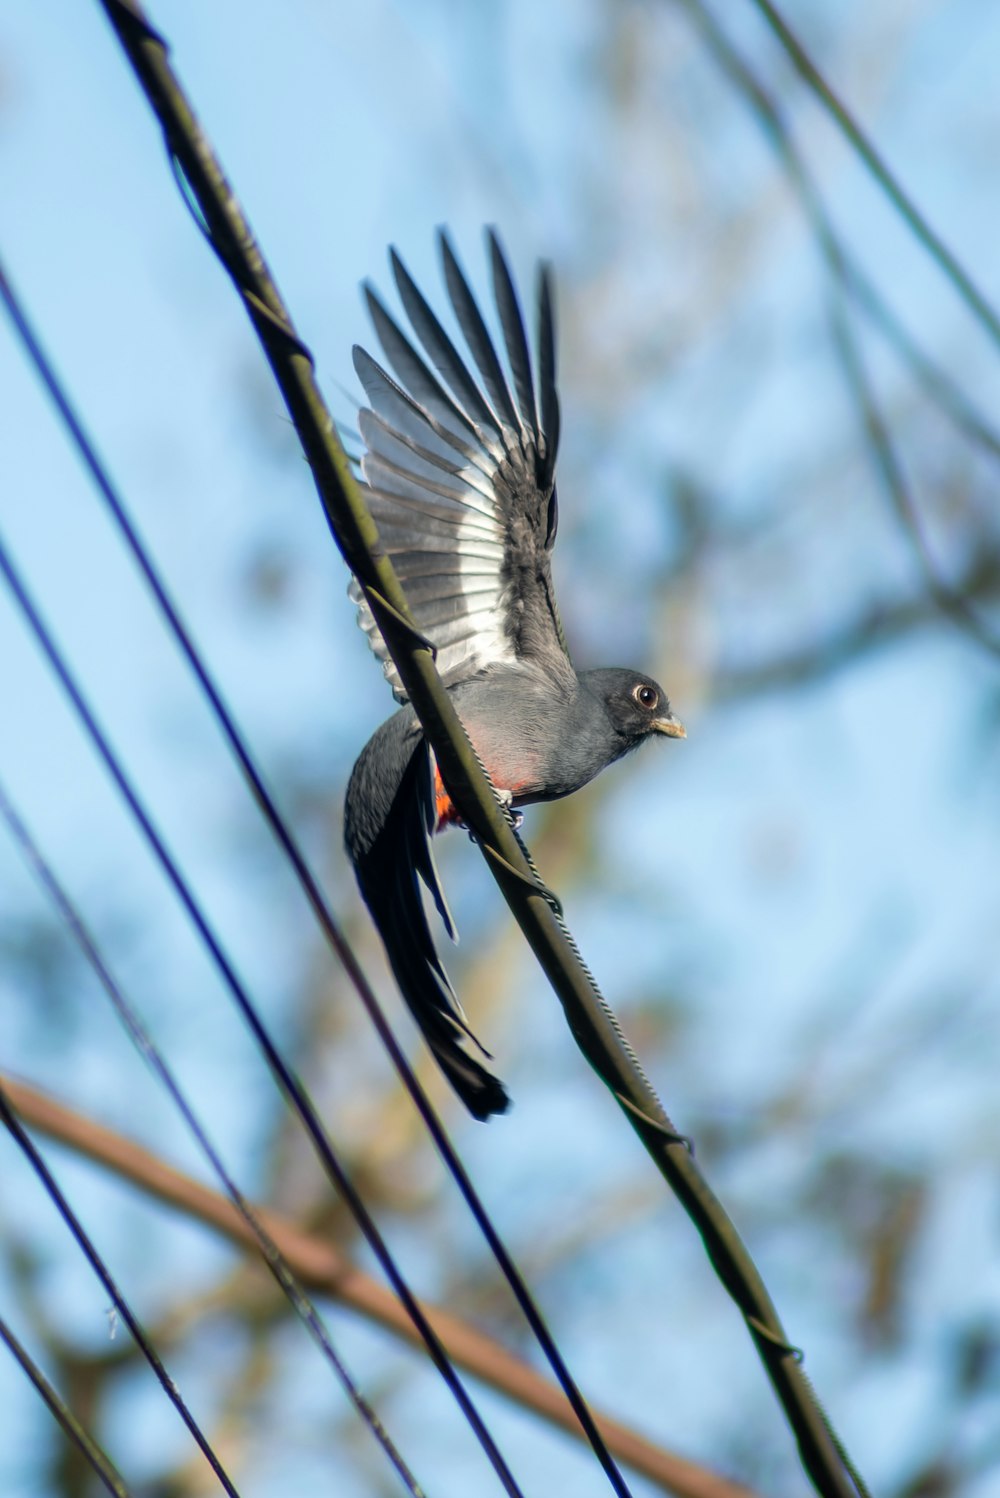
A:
(392, 855)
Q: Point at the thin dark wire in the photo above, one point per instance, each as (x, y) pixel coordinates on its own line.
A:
(88, 1448)
(37, 1162)
(150, 1053)
(932, 242)
(318, 903)
(291, 1086)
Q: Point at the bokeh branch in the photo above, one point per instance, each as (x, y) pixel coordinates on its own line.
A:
(322, 1268)
(846, 280)
(838, 111)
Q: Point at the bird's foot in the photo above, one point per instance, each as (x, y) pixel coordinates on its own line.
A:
(506, 798)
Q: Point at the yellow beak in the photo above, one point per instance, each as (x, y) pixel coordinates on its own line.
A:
(671, 726)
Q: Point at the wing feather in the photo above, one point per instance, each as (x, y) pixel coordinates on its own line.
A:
(547, 371)
(442, 352)
(398, 447)
(515, 338)
(459, 471)
(476, 334)
(416, 377)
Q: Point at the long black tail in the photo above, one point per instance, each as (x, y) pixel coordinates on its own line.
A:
(389, 819)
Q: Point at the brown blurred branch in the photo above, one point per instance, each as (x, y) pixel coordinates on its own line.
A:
(321, 1267)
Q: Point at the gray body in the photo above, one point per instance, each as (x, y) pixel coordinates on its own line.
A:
(539, 739)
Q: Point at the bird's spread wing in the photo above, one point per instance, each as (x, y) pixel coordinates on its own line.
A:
(459, 471)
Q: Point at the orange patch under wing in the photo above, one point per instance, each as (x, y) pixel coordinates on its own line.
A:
(445, 808)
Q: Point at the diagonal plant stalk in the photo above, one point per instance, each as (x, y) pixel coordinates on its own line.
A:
(590, 1019)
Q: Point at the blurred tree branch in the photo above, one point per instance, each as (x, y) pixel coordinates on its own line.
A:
(845, 280)
(321, 1267)
(881, 625)
(932, 242)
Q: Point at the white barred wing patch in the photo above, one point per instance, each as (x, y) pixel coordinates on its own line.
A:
(459, 476)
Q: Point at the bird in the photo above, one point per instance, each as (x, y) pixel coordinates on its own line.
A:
(458, 470)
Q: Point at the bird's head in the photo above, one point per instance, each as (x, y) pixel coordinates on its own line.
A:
(636, 705)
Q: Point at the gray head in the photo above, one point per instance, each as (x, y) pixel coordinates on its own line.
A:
(636, 705)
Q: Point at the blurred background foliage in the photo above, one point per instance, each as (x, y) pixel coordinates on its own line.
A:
(794, 913)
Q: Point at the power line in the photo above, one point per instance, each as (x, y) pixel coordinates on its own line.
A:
(88, 1448)
(38, 1164)
(290, 1085)
(308, 882)
(147, 1048)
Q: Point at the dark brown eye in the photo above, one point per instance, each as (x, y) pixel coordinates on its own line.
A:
(645, 696)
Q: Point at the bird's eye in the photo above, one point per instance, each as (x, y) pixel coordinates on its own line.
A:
(645, 696)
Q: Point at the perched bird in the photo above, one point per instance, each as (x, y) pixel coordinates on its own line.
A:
(460, 477)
